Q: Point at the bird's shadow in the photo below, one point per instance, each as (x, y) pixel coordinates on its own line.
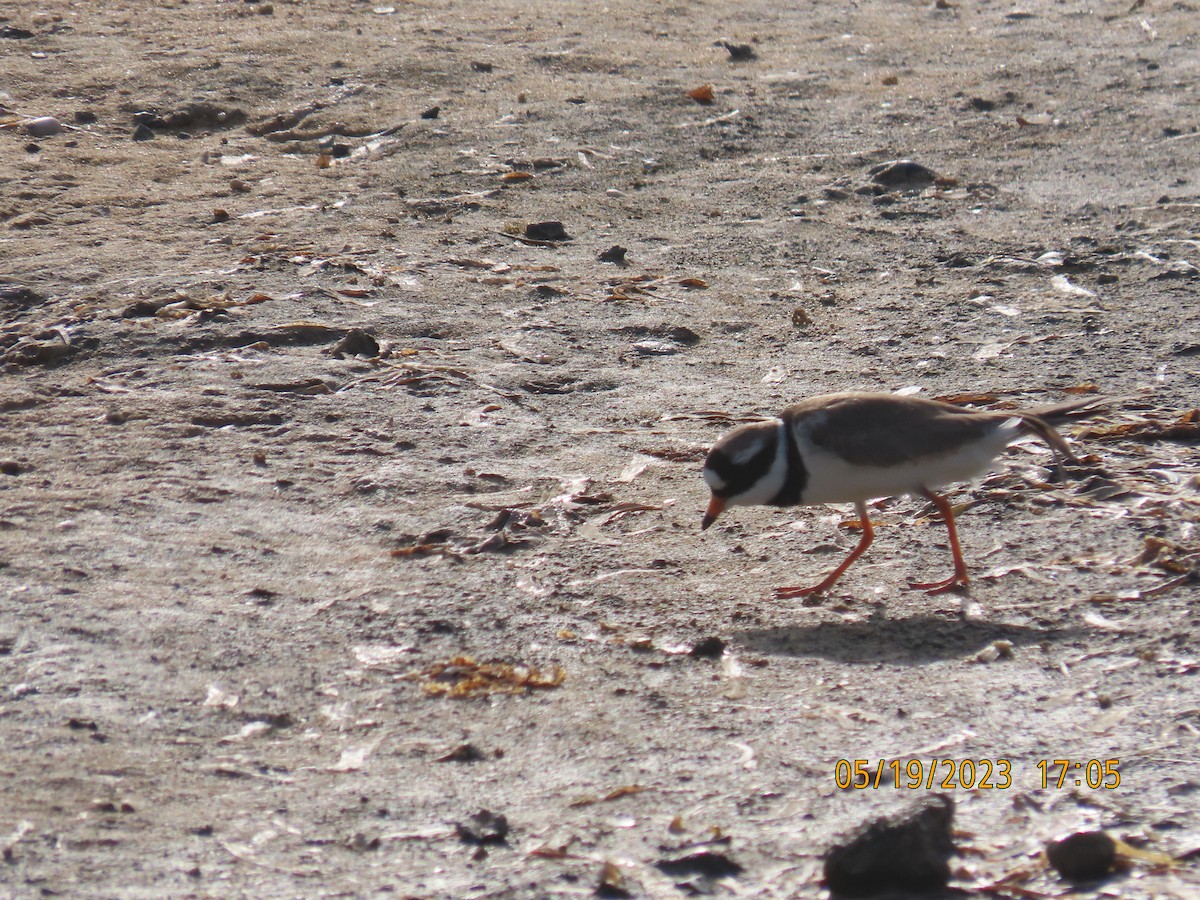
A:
(920, 639)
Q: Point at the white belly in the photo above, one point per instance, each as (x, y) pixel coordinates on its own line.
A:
(832, 480)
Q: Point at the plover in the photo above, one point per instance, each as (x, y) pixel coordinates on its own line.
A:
(855, 447)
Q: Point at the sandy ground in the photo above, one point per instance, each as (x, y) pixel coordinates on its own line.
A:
(301, 433)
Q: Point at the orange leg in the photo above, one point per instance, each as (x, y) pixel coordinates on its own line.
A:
(868, 535)
(959, 578)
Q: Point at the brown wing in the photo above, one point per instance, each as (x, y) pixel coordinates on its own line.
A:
(886, 430)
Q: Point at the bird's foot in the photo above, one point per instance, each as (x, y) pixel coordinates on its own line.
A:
(785, 593)
(953, 583)
(812, 594)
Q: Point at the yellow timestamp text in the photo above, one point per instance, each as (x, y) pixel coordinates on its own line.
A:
(971, 774)
(914, 774)
(1095, 773)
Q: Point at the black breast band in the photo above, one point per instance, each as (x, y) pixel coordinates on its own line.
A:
(796, 478)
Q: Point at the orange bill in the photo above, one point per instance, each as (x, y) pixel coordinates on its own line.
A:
(716, 506)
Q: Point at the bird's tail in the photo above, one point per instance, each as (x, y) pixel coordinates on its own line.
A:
(1069, 409)
(1043, 429)
(1039, 421)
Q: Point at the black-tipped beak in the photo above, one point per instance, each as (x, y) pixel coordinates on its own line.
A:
(715, 507)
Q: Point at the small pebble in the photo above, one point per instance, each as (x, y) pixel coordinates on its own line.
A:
(43, 126)
(143, 133)
(656, 348)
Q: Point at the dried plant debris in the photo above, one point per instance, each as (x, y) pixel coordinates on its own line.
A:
(464, 678)
(504, 538)
(1184, 428)
(688, 454)
(645, 287)
(615, 794)
(182, 304)
(1169, 556)
(1178, 561)
(909, 852)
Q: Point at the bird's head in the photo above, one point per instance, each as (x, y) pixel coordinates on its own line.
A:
(743, 468)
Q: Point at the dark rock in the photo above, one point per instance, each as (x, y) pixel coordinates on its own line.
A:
(17, 296)
(85, 117)
(143, 133)
(467, 753)
(902, 173)
(1083, 856)
(141, 309)
(485, 827)
(432, 113)
(16, 34)
(546, 231)
(679, 335)
(737, 52)
(703, 862)
(357, 343)
(683, 336)
(614, 254)
(906, 852)
(149, 118)
(708, 648)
